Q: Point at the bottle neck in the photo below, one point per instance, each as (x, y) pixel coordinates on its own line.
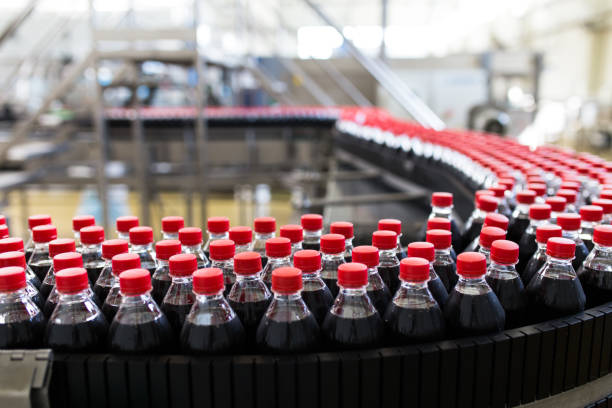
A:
(215, 236)
(132, 300)
(314, 275)
(471, 280)
(249, 278)
(41, 246)
(441, 212)
(14, 296)
(216, 297)
(558, 261)
(142, 247)
(296, 247)
(312, 237)
(123, 235)
(485, 251)
(353, 291)
(169, 235)
(244, 247)
(479, 214)
(332, 257)
(274, 260)
(287, 297)
(604, 250)
(521, 211)
(414, 286)
(442, 251)
(91, 249)
(571, 234)
(348, 244)
(264, 236)
(588, 226)
(534, 224)
(386, 255)
(163, 263)
(222, 263)
(181, 280)
(73, 297)
(192, 248)
(501, 270)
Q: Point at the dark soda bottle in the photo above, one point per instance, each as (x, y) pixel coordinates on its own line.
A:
(570, 223)
(91, 240)
(427, 251)
(488, 235)
(105, 281)
(124, 225)
(441, 224)
(242, 237)
(390, 224)
(160, 281)
(295, 234)
(141, 244)
(17, 258)
(509, 182)
(571, 196)
(76, 324)
(473, 309)
(442, 207)
(212, 326)
(249, 296)
(596, 272)
(556, 290)
(139, 325)
(191, 241)
(520, 216)
(288, 326)
(484, 205)
(414, 316)
(56, 247)
(346, 230)
(79, 222)
(120, 263)
(216, 228)
(353, 322)
(170, 227)
(443, 263)
(278, 253)
(506, 283)
(606, 205)
(22, 324)
(34, 221)
(539, 214)
(265, 228)
(313, 229)
(13, 244)
(315, 293)
(491, 220)
(222, 253)
(388, 263)
(332, 256)
(179, 298)
(557, 206)
(591, 216)
(39, 261)
(377, 290)
(499, 192)
(537, 261)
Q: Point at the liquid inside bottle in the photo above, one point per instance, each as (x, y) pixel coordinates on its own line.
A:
(222, 253)
(537, 261)
(313, 230)
(570, 223)
(161, 279)
(179, 298)
(391, 224)
(120, 264)
(426, 250)
(60, 262)
(91, 249)
(591, 216)
(34, 221)
(484, 205)
(17, 258)
(377, 290)
(278, 252)
(539, 214)
(141, 242)
(388, 263)
(56, 247)
(443, 263)
(596, 273)
(315, 293)
(332, 256)
(40, 262)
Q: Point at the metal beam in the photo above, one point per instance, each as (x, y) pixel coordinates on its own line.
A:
(22, 16)
(343, 82)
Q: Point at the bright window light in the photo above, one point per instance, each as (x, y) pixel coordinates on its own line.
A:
(365, 37)
(318, 42)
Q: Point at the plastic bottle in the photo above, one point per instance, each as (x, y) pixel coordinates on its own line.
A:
(441, 224)
(222, 253)
(56, 247)
(557, 206)
(570, 223)
(278, 253)
(110, 248)
(346, 230)
(91, 239)
(520, 216)
(249, 296)
(141, 244)
(242, 237)
(288, 326)
(160, 281)
(499, 192)
(170, 227)
(491, 220)
(426, 250)
(315, 293)
(79, 222)
(543, 234)
(34, 221)
(212, 326)
(556, 290)
(571, 198)
(488, 235)
(390, 224)
(265, 228)
(120, 263)
(332, 256)
(39, 261)
(592, 216)
(124, 225)
(22, 324)
(76, 324)
(139, 325)
(442, 207)
(539, 214)
(388, 264)
(377, 290)
(596, 272)
(606, 206)
(540, 190)
(313, 229)
(414, 316)
(473, 309)
(295, 234)
(443, 263)
(484, 205)
(353, 322)
(179, 298)
(4, 231)
(16, 245)
(17, 259)
(216, 228)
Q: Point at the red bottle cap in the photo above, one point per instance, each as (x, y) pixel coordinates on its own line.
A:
(602, 235)
(218, 225)
(247, 263)
(384, 240)
(126, 223)
(61, 245)
(182, 264)
(67, 260)
(312, 222)
(114, 247)
(487, 203)
(208, 281)
(11, 244)
(414, 269)
(141, 235)
(557, 203)
(286, 280)
(190, 236)
(222, 249)
(439, 223)
(332, 243)
(504, 252)
(82, 221)
(479, 193)
(570, 185)
(4, 231)
(71, 280)
(166, 248)
(12, 278)
(2, 220)
(498, 191)
(124, 262)
(488, 235)
(92, 235)
(591, 213)
(343, 228)
(264, 225)
(12, 258)
(606, 205)
(547, 231)
(569, 195)
(241, 235)
(441, 199)
(295, 233)
(422, 250)
(496, 220)
(607, 194)
(507, 182)
(441, 239)
(44, 233)
(539, 211)
(40, 219)
(172, 224)
(561, 248)
(526, 197)
(540, 189)
(366, 254)
(134, 282)
(307, 260)
(390, 224)
(471, 265)
(278, 247)
(569, 221)
(352, 275)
